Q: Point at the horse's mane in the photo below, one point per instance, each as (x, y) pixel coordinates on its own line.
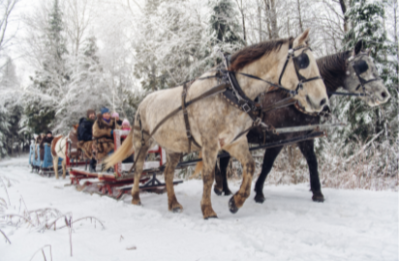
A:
(332, 68)
(251, 53)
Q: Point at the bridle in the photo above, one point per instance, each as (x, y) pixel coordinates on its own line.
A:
(236, 96)
(359, 66)
(299, 64)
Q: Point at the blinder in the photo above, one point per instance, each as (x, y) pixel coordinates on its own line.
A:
(300, 62)
(360, 67)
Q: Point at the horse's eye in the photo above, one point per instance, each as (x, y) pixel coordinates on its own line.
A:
(302, 61)
(360, 67)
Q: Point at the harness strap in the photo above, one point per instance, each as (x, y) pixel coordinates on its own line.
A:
(215, 90)
(186, 118)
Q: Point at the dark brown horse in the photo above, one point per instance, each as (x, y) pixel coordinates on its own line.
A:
(336, 71)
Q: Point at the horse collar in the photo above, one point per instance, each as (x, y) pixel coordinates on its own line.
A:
(237, 97)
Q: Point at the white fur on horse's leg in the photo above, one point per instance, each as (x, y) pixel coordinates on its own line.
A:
(55, 161)
(142, 150)
(240, 150)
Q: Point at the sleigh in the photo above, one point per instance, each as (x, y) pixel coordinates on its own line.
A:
(42, 166)
(119, 180)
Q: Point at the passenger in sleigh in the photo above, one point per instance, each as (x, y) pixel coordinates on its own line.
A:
(85, 142)
(46, 140)
(115, 117)
(38, 141)
(102, 133)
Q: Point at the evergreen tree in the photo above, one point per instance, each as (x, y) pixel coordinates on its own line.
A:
(49, 83)
(170, 45)
(10, 110)
(366, 19)
(226, 31)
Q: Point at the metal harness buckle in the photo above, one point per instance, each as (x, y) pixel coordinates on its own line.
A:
(246, 108)
(188, 134)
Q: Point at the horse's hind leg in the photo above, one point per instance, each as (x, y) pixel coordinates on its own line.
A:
(209, 154)
(64, 168)
(139, 155)
(172, 161)
(55, 161)
(240, 151)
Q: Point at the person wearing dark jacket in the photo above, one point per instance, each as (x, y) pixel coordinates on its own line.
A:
(84, 133)
(47, 139)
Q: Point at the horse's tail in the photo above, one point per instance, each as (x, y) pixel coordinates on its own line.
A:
(53, 145)
(123, 152)
(198, 167)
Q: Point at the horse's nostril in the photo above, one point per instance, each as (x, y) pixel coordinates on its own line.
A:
(384, 95)
(322, 102)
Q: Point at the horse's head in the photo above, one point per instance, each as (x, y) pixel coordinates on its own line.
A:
(303, 74)
(75, 127)
(362, 77)
(289, 62)
(73, 134)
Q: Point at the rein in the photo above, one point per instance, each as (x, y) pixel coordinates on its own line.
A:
(231, 90)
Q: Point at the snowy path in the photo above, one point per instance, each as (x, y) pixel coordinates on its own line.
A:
(349, 225)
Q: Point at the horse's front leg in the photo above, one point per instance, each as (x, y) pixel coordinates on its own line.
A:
(269, 157)
(172, 160)
(209, 154)
(240, 150)
(307, 150)
(221, 182)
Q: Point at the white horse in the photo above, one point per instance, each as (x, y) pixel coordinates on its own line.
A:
(59, 146)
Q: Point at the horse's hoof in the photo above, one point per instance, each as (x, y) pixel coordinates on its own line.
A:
(227, 192)
(318, 196)
(218, 191)
(232, 207)
(259, 198)
(212, 217)
(136, 202)
(177, 210)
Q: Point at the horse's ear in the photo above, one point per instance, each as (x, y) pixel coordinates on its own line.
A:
(358, 47)
(302, 38)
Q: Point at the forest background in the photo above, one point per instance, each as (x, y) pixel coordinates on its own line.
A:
(59, 58)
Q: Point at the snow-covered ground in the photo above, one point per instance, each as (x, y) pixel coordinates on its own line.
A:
(349, 225)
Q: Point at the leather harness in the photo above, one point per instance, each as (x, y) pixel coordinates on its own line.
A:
(230, 91)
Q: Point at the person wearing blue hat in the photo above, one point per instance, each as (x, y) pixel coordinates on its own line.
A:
(102, 133)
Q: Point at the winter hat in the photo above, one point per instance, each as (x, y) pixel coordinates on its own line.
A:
(125, 122)
(115, 114)
(89, 112)
(104, 110)
(48, 132)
